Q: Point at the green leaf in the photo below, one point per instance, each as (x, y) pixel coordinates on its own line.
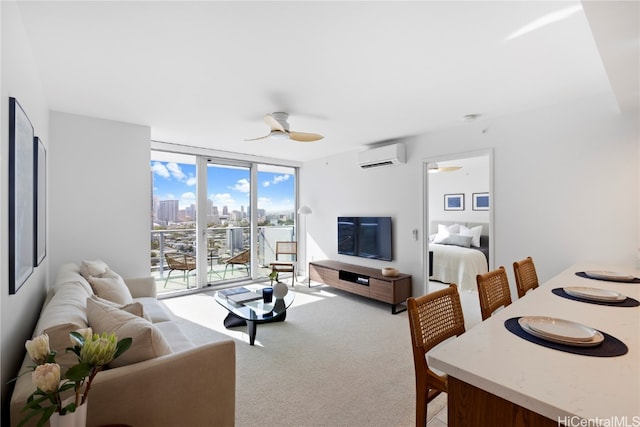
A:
(78, 372)
(122, 346)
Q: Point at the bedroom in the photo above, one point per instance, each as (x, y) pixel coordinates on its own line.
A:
(459, 219)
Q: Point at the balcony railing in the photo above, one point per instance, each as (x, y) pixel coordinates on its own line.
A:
(222, 244)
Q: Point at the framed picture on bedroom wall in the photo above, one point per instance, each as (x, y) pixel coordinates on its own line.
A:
(480, 201)
(454, 202)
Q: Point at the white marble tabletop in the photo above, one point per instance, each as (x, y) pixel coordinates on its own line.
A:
(550, 382)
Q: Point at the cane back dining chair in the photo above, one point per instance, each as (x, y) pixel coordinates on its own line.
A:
(180, 262)
(526, 276)
(493, 291)
(290, 251)
(433, 318)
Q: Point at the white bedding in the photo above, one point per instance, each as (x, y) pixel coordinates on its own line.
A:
(455, 264)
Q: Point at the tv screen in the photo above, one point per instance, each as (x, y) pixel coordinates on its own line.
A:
(366, 237)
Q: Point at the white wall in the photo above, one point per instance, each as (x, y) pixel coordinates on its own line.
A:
(472, 178)
(100, 193)
(19, 79)
(565, 189)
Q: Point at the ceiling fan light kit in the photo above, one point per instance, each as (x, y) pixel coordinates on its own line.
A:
(280, 130)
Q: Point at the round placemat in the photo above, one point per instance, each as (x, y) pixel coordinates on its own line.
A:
(583, 274)
(629, 302)
(610, 347)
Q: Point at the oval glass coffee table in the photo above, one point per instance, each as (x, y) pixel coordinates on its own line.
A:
(252, 313)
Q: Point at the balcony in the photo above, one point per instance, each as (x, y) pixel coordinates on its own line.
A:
(222, 245)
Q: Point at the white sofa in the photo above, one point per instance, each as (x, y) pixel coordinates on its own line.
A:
(177, 383)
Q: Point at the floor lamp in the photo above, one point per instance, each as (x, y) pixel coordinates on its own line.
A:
(304, 211)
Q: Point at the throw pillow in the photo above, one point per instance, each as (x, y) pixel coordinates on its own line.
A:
(474, 232)
(147, 340)
(93, 268)
(134, 308)
(111, 288)
(458, 240)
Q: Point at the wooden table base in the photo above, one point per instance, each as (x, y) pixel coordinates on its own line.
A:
(472, 406)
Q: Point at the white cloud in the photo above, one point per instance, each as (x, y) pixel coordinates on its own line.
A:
(222, 199)
(172, 170)
(160, 170)
(187, 199)
(242, 185)
(277, 180)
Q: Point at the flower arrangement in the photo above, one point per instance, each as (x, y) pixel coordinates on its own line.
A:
(94, 351)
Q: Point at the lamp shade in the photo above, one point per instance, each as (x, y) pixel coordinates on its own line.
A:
(304, 210)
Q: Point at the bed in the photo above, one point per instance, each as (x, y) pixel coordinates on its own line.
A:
(460, 253)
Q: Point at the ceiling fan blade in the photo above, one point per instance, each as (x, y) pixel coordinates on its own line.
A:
(273, 123)
(259, 138)
(304, 137)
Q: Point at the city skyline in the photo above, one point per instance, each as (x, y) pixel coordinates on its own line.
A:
(226, 186)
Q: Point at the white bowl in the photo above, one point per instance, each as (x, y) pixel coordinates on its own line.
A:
(389, 272)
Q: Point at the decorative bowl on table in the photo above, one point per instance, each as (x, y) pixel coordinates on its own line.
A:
(390, 272)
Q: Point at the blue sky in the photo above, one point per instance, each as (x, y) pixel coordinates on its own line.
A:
(226, 186)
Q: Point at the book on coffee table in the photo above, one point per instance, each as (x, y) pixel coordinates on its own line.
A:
(233, 291)
(244, 297)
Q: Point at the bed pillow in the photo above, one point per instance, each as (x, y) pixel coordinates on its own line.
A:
(147, 340)
(474, 232)
(111, 288)
(458, 240)
(445, 231)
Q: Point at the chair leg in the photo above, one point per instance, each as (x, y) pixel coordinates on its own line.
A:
(225, 271)
(421, 406)
(167, 279)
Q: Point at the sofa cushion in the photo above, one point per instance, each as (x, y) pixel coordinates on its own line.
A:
(112, 288)
(64, 313)
(175, 336)
(148, 341)
(93, 268)
(154, 310)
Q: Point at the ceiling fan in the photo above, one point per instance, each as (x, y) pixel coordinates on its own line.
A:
(434, 168)
(280, 130)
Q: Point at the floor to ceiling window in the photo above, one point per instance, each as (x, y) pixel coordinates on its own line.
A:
(173, 218)
(239, 241)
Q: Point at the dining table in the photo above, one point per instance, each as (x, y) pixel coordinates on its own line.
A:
(501, 375)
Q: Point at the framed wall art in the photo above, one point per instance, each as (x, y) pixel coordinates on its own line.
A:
(40, 201)
(480, 201)
(454, 202)
(21, 196)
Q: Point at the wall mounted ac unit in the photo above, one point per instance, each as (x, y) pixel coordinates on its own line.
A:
(382, 156)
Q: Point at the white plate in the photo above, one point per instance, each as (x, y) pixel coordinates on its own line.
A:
(595, 294)
(596, 340)
(560, 329)
(610, 275)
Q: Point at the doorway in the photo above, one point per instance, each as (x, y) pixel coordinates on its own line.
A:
(459, 191)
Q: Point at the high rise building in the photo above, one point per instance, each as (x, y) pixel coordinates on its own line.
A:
(168, 211)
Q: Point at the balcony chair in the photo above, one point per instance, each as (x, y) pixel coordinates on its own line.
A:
(289, 250)
(526, 276)
(433, 318)
(241, 258)
(181, 262)
(493, 291)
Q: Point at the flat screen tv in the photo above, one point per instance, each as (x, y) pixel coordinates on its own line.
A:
(366, 237)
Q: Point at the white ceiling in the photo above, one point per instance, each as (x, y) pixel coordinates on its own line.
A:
(204, 73)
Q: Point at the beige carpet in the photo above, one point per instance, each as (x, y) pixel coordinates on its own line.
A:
(337, 360)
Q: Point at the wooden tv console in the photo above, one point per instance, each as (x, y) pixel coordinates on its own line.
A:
(365, 281)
